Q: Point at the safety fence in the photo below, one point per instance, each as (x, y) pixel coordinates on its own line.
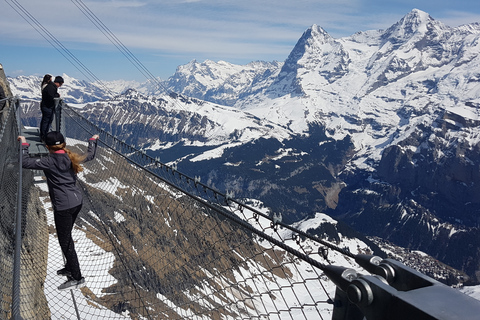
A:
(154, 244)
(8, 202)
(22, 268)
(168, 246)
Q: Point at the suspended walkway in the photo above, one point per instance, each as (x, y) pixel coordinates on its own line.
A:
(154, 243)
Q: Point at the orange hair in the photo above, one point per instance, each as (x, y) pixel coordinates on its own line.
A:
(74, 157)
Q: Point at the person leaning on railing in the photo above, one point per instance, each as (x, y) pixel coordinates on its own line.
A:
(61, 167)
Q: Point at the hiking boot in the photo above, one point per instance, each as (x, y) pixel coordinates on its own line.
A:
(72, 284)
(64, 272)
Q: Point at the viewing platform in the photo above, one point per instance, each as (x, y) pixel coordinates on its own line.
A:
(37, 147)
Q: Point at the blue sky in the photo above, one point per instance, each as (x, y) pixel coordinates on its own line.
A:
(163, 34)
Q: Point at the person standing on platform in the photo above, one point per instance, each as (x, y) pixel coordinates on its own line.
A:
(60, 168)
(49, 93)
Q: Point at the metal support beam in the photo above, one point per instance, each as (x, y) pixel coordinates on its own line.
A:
(397, 292)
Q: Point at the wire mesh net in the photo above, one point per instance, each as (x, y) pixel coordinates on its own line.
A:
(8, 191)
(33, 229)
(156, 244)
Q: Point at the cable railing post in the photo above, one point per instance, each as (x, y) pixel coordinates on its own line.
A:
(18, 230)
(58, 114)
(61, 120)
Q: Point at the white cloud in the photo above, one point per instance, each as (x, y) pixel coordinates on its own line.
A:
(214, 29)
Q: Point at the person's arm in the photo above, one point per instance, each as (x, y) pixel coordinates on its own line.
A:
(92, 148)
(32, 163)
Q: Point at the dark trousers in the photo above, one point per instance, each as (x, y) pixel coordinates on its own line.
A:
(64, 221)
(46, 122)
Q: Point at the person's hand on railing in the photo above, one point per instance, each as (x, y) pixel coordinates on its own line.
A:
(95, 137)
(22, 138)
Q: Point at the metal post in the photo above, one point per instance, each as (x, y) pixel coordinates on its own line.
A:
(18, 232)
(57, 111)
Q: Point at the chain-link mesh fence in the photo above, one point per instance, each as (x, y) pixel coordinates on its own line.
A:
(31, 273)
(154, 244)
(8, 203)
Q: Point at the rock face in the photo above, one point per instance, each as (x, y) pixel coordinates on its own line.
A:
(315, 51)
(425, 196)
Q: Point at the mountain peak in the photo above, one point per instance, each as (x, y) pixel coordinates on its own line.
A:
(314, 36)
(318, 33)
(416, 21)
(315, 51)
(417, 16)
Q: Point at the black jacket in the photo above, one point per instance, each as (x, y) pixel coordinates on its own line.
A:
(49, 93)
(61, 179)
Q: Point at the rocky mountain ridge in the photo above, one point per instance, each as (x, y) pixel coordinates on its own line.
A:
(378, 129)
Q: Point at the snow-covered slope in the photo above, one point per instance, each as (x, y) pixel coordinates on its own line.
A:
(381, 127)
(376, 86)
(222, 82)
(177, 119)
(72, 91)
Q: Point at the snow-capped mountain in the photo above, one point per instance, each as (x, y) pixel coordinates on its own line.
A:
(379, 128)
(73, 90)
(218, 82)
(158, 122)
(366, 85)
(222, 82)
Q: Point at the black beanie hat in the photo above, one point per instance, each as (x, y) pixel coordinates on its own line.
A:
(58, 79)
(54, 138)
